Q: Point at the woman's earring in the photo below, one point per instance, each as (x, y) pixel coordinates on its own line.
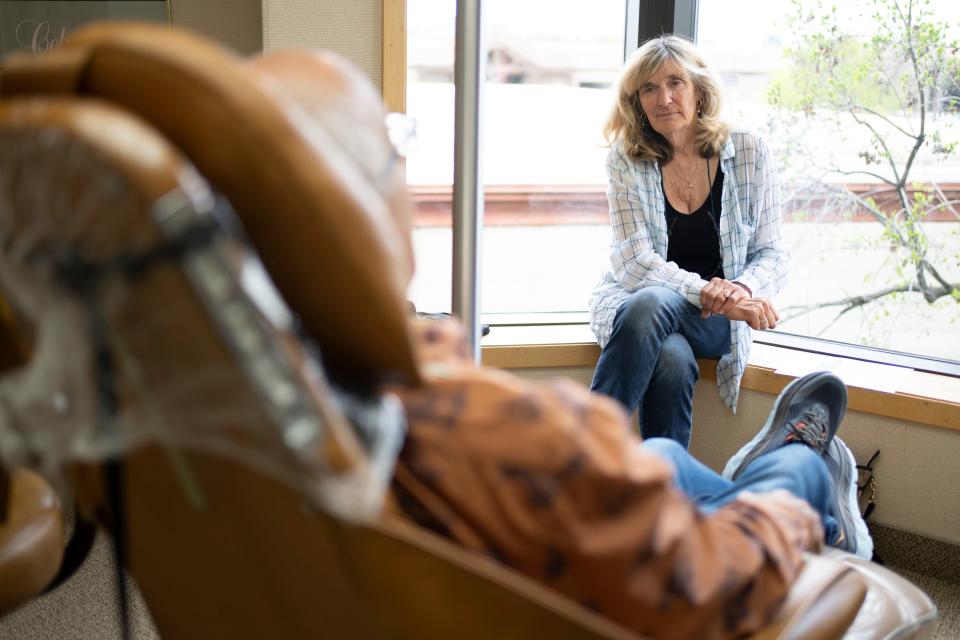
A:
(643, 120)
(699, 107)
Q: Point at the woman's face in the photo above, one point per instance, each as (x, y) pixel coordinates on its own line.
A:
(669, 100)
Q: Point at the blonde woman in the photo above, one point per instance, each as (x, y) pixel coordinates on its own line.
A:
(696, 249)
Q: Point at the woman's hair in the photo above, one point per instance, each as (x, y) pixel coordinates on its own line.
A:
(640, 141)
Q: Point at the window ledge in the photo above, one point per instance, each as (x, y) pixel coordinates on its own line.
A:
(926, 398)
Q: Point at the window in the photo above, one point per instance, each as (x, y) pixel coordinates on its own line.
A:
(550, 69)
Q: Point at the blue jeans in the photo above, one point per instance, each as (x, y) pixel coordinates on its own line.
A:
(650, 362)
(794, 467)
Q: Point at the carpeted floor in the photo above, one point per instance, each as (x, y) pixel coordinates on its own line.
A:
(85, 607)
(932, 565)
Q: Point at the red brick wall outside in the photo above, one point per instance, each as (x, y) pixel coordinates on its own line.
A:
(520, 205)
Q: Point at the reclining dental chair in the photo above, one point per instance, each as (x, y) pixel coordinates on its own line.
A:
(203, 366)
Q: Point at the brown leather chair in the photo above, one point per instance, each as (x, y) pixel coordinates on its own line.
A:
(243, 485)
(31, 520)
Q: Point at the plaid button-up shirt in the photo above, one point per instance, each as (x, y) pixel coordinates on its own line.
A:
(750, 241)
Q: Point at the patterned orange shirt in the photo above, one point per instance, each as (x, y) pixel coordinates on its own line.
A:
(550, 480)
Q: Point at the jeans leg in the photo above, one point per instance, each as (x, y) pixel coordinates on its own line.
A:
(708, 337)
(698, 481)
(667, 407)
(794, 467)
(641, 325)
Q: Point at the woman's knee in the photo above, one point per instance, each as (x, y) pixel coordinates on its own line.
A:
(650, 305)
(677, 361)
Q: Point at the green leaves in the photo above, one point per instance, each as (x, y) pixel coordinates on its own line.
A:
(906, 56)
(879, 79)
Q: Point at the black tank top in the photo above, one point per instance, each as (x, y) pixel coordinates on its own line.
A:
(693, 240)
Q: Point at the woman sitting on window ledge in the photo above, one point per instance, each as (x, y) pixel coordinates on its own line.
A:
(695, 214)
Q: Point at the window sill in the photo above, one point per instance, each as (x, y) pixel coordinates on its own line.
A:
(925, 398)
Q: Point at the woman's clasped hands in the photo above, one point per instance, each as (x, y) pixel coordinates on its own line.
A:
(734, 300)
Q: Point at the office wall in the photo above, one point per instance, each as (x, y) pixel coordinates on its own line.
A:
(235, 23)
(352, 28)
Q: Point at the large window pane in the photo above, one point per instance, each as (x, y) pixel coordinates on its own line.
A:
(841, 110)
(550, 68)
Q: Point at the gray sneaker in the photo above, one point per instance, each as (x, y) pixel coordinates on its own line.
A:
(808, 410)
(845, 508)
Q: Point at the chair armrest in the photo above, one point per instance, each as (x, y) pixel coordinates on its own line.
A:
(821, 604)
(31, 539)
(894, 606)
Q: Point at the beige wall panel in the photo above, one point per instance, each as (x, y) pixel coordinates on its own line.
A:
(917, 471)
(352, 28)
(235, 23)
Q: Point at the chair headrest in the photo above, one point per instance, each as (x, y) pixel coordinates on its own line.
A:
(343, 102)
(333, 240)
(148, 325)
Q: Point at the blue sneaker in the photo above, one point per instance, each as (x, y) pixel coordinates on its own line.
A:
(854, 535)
(808, 410)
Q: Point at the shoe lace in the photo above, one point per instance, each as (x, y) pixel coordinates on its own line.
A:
(811, 427)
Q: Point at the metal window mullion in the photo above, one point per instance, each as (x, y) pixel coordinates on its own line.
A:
(631, 36)
(469, 65)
